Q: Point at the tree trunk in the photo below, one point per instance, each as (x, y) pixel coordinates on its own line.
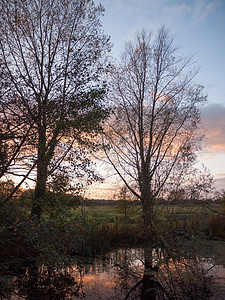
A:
(42, 168)
(147, 201)
(40, 189)
(147, 211)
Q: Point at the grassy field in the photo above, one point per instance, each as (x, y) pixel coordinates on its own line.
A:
(111, 214)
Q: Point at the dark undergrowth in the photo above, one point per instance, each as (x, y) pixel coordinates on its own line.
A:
(26, 245)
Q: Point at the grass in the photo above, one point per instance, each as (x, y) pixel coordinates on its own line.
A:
(183, 218)
(109, 214)
(106, 220)
(100, 213)
(173, 214)
(106, 214)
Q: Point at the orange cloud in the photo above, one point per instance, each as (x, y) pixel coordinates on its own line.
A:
(218, 147)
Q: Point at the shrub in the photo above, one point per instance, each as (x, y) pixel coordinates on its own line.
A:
(217, 226)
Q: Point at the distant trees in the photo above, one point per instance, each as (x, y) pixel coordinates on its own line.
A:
(177, 195)
(6, 187)
(53, 55)
(125, 204)
(152, 136)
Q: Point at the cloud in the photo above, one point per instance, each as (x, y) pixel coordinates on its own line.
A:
(185, 8)
(220, 176)
(122, 7)
(209, 9)
(213, 119)
(202, 9)
(212, 86)
(219, 183)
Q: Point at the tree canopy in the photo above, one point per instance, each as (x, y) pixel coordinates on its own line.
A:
(53, 56)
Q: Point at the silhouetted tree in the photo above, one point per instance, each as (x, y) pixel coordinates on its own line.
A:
(54, 56)
(152, 137)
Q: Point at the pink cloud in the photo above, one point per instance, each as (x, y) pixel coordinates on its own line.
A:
(209, 9)
(185, 8)
(220, 175)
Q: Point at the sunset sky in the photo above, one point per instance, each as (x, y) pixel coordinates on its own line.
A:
(198, 27)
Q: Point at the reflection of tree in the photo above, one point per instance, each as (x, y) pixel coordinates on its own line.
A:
(43, 283)
(122, 276)
(146, 287)
(125, 273)
(167, 278)
(185, 279)
(149, 284)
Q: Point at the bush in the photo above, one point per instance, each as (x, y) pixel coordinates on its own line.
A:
(217, 226)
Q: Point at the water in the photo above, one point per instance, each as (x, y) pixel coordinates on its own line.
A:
(147, 274)
(132, 273)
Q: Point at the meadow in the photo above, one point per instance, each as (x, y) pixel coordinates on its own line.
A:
(113, 213)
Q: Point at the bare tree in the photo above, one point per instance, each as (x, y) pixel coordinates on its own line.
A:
(152, 137)
(53, 54)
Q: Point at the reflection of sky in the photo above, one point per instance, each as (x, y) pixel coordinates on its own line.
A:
(112, 276)
(198, 27)
(115, 274)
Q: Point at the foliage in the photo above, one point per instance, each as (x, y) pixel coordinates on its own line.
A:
(53, 55)
(217, 226)
(220, 198)
(5, 188)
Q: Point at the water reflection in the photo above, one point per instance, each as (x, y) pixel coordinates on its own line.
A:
(148, 274)
(28, 281)
(124, 274)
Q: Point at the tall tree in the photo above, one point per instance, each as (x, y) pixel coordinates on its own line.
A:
(153, 134)
(54, 54)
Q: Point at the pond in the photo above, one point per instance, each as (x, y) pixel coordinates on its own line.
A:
(127, 273)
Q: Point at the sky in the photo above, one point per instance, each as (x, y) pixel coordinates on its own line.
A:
(198, 27)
